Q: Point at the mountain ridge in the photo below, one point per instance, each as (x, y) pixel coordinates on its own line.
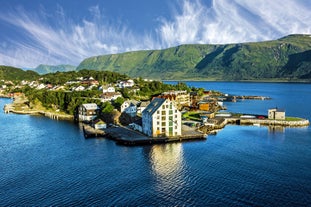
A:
(44, 69)
(285, 58)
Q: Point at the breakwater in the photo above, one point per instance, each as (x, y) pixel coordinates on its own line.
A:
(222, 122)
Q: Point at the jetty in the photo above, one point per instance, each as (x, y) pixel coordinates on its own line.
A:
(219, 123)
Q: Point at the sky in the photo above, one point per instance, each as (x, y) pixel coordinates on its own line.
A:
(54, 32)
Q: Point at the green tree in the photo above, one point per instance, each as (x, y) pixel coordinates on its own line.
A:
(118, 102)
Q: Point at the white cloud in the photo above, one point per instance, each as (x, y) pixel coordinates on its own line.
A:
(231, 21)
(67, 42)
(225, 21)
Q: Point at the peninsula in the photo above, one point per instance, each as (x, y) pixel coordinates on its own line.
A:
(133, 111)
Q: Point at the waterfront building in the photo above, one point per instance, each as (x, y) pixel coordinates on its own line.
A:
(276, 114)
(99, 124)
(87, 112)
(161, 118)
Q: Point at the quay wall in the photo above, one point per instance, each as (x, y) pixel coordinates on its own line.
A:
(298, 123)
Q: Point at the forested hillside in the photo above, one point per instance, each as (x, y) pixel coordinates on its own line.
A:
(16, 74)
(287, 58)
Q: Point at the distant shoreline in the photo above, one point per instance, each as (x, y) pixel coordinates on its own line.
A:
(243, 81)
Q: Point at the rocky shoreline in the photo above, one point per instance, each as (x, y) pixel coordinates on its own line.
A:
(19, 107)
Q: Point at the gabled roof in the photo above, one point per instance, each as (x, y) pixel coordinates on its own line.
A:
(90, 106)
(154, 105)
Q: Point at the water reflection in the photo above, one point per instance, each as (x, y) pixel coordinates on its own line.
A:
(168, 166)
(276, 129)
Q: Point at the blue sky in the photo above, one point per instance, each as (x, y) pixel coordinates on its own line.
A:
(34, 32)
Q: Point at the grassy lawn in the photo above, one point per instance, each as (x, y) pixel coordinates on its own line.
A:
(292, 119)
(195, 116)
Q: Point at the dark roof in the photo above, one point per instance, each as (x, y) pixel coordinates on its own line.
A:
(139, 121)
(154, 105)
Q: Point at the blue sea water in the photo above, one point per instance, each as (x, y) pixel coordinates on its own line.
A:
(45, 162)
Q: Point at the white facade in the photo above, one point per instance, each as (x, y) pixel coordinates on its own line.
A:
(126, 84)
(109, 89)
(87, 112)
(110, 96)
(161, 118)
(129, 108)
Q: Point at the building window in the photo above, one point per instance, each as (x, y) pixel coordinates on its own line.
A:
(170, 112)
(163, 123)
(163, 113)
(158, 112)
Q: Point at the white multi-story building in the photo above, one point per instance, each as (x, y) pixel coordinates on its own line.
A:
(161, 118)
(87, 112)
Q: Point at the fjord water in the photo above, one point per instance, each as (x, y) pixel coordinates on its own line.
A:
(46, 162)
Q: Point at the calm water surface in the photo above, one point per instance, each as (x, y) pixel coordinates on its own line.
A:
(46, 162)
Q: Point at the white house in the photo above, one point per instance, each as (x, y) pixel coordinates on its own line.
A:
(79, 88)
(161, 118)
(126, 84)
(110, 96)
(129, 107)
(87, 112)
(109, 89)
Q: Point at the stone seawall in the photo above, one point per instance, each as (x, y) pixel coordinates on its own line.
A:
(298, 123)
(264, 122)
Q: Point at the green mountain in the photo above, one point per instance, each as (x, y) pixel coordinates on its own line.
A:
(16, 74)
(288, 58)
(44, 69)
